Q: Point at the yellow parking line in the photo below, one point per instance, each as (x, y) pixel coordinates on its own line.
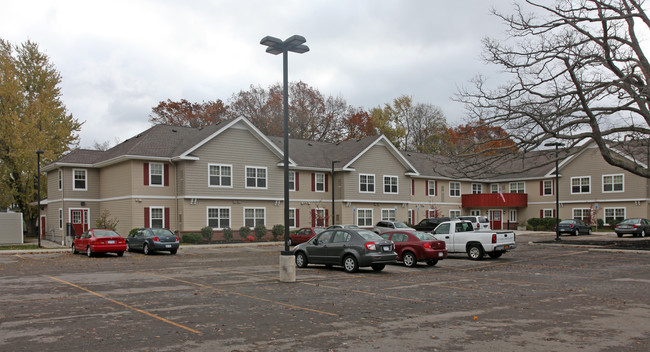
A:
(126, 305)
(248, 296)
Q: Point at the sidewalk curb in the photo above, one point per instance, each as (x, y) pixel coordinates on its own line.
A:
(591, 248)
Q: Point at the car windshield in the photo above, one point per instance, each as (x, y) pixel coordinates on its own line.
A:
(369, 235)
(104, 233)
(424, 236)
(400, 225)
(566, 222)
(483, 219)
(161, 232)
(631, 221)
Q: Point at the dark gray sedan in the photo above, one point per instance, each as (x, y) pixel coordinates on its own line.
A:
(574, 227)
(149, 240)
(635, 227)
(350, 248)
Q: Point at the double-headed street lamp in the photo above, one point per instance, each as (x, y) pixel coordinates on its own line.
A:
(276, 46)
(557, 189)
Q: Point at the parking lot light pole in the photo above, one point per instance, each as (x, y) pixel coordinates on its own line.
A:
(333, 162)
(276, 46)
(38, 185)
(557, 189)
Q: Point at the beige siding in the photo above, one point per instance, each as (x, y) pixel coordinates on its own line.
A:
(137, 180)
(116, 180)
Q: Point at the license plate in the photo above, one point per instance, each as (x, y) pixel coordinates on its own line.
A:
(386, 248)
(440, 254)
(111, 242)
(506, 247)
(168, 246)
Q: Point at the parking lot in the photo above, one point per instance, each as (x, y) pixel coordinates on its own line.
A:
(535, 298)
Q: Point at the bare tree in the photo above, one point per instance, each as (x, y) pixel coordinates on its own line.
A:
(578, 73)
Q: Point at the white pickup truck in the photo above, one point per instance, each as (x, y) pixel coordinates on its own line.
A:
(460, 237)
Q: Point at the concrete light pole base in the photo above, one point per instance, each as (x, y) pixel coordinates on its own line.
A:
(287, 268)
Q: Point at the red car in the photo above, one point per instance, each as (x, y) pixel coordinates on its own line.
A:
(304, 234)
(99, 241)
(412, 247)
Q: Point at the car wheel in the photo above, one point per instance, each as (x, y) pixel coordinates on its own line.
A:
(350, 264)
(642, 233)
(495, 255)
(119, 254)
(145, 249)
(173, 251)
(378, 267)
(432, 262)
(475, 251)
(89, 251)
(574, 233)
(409, 259)
(588, 232)
(74, 250)
(619, 234)
(301, 260)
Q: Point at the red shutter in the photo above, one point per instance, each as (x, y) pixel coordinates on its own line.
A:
(146, 175)
(313, 182)
(541, 188)
(426, 187)
(297, 216)
(412, 186)
(167, 217)
(541, 213)
(146, 217)
(296, 180)
(313, 217)
(554, 213)
(327, 217)
(166, 171)
(553, 183)
(326, 182)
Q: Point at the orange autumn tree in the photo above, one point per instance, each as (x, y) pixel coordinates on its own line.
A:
(188, 114)
(479, 138)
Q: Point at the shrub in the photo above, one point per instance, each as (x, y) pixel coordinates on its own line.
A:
(534, 222)
(260, 231)
(191, 238)
(601, 223)
(549, 223)
(105, 222)
(244, 231)
(207, 233)
(277, 231)
(250, 238)
(613, 223)
(227, 234)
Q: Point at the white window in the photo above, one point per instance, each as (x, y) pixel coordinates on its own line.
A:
(580, 185)
(477, 188)
(157, 219)
(292, 217)
(364, 217)
(583, 214)
(547, 188)
(319, 182)
(292, 180)
(366, 183)
(432, 188)
(156, 174)
(613, 183)
(617, 214)
(218, 218)
(494, 188)
(475, 212)
(410, 219)
(319, 217)
(454, 189)
(255, 177)
(60, 180)
(60, 218)
(254, 216)
(220, 175)
(388, 214)
(79, 180)
(390, 184)
(454, 213)
(517, 187)
(547, 213)
(513, 215)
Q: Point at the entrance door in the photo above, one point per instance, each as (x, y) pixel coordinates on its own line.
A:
(495, 219)
(42, 227)
(79, 220)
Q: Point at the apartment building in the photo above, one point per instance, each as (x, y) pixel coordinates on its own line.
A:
(231, 175)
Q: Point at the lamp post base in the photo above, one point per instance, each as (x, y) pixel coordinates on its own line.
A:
(287, 268)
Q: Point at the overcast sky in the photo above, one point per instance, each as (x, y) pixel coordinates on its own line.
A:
(119, 59)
